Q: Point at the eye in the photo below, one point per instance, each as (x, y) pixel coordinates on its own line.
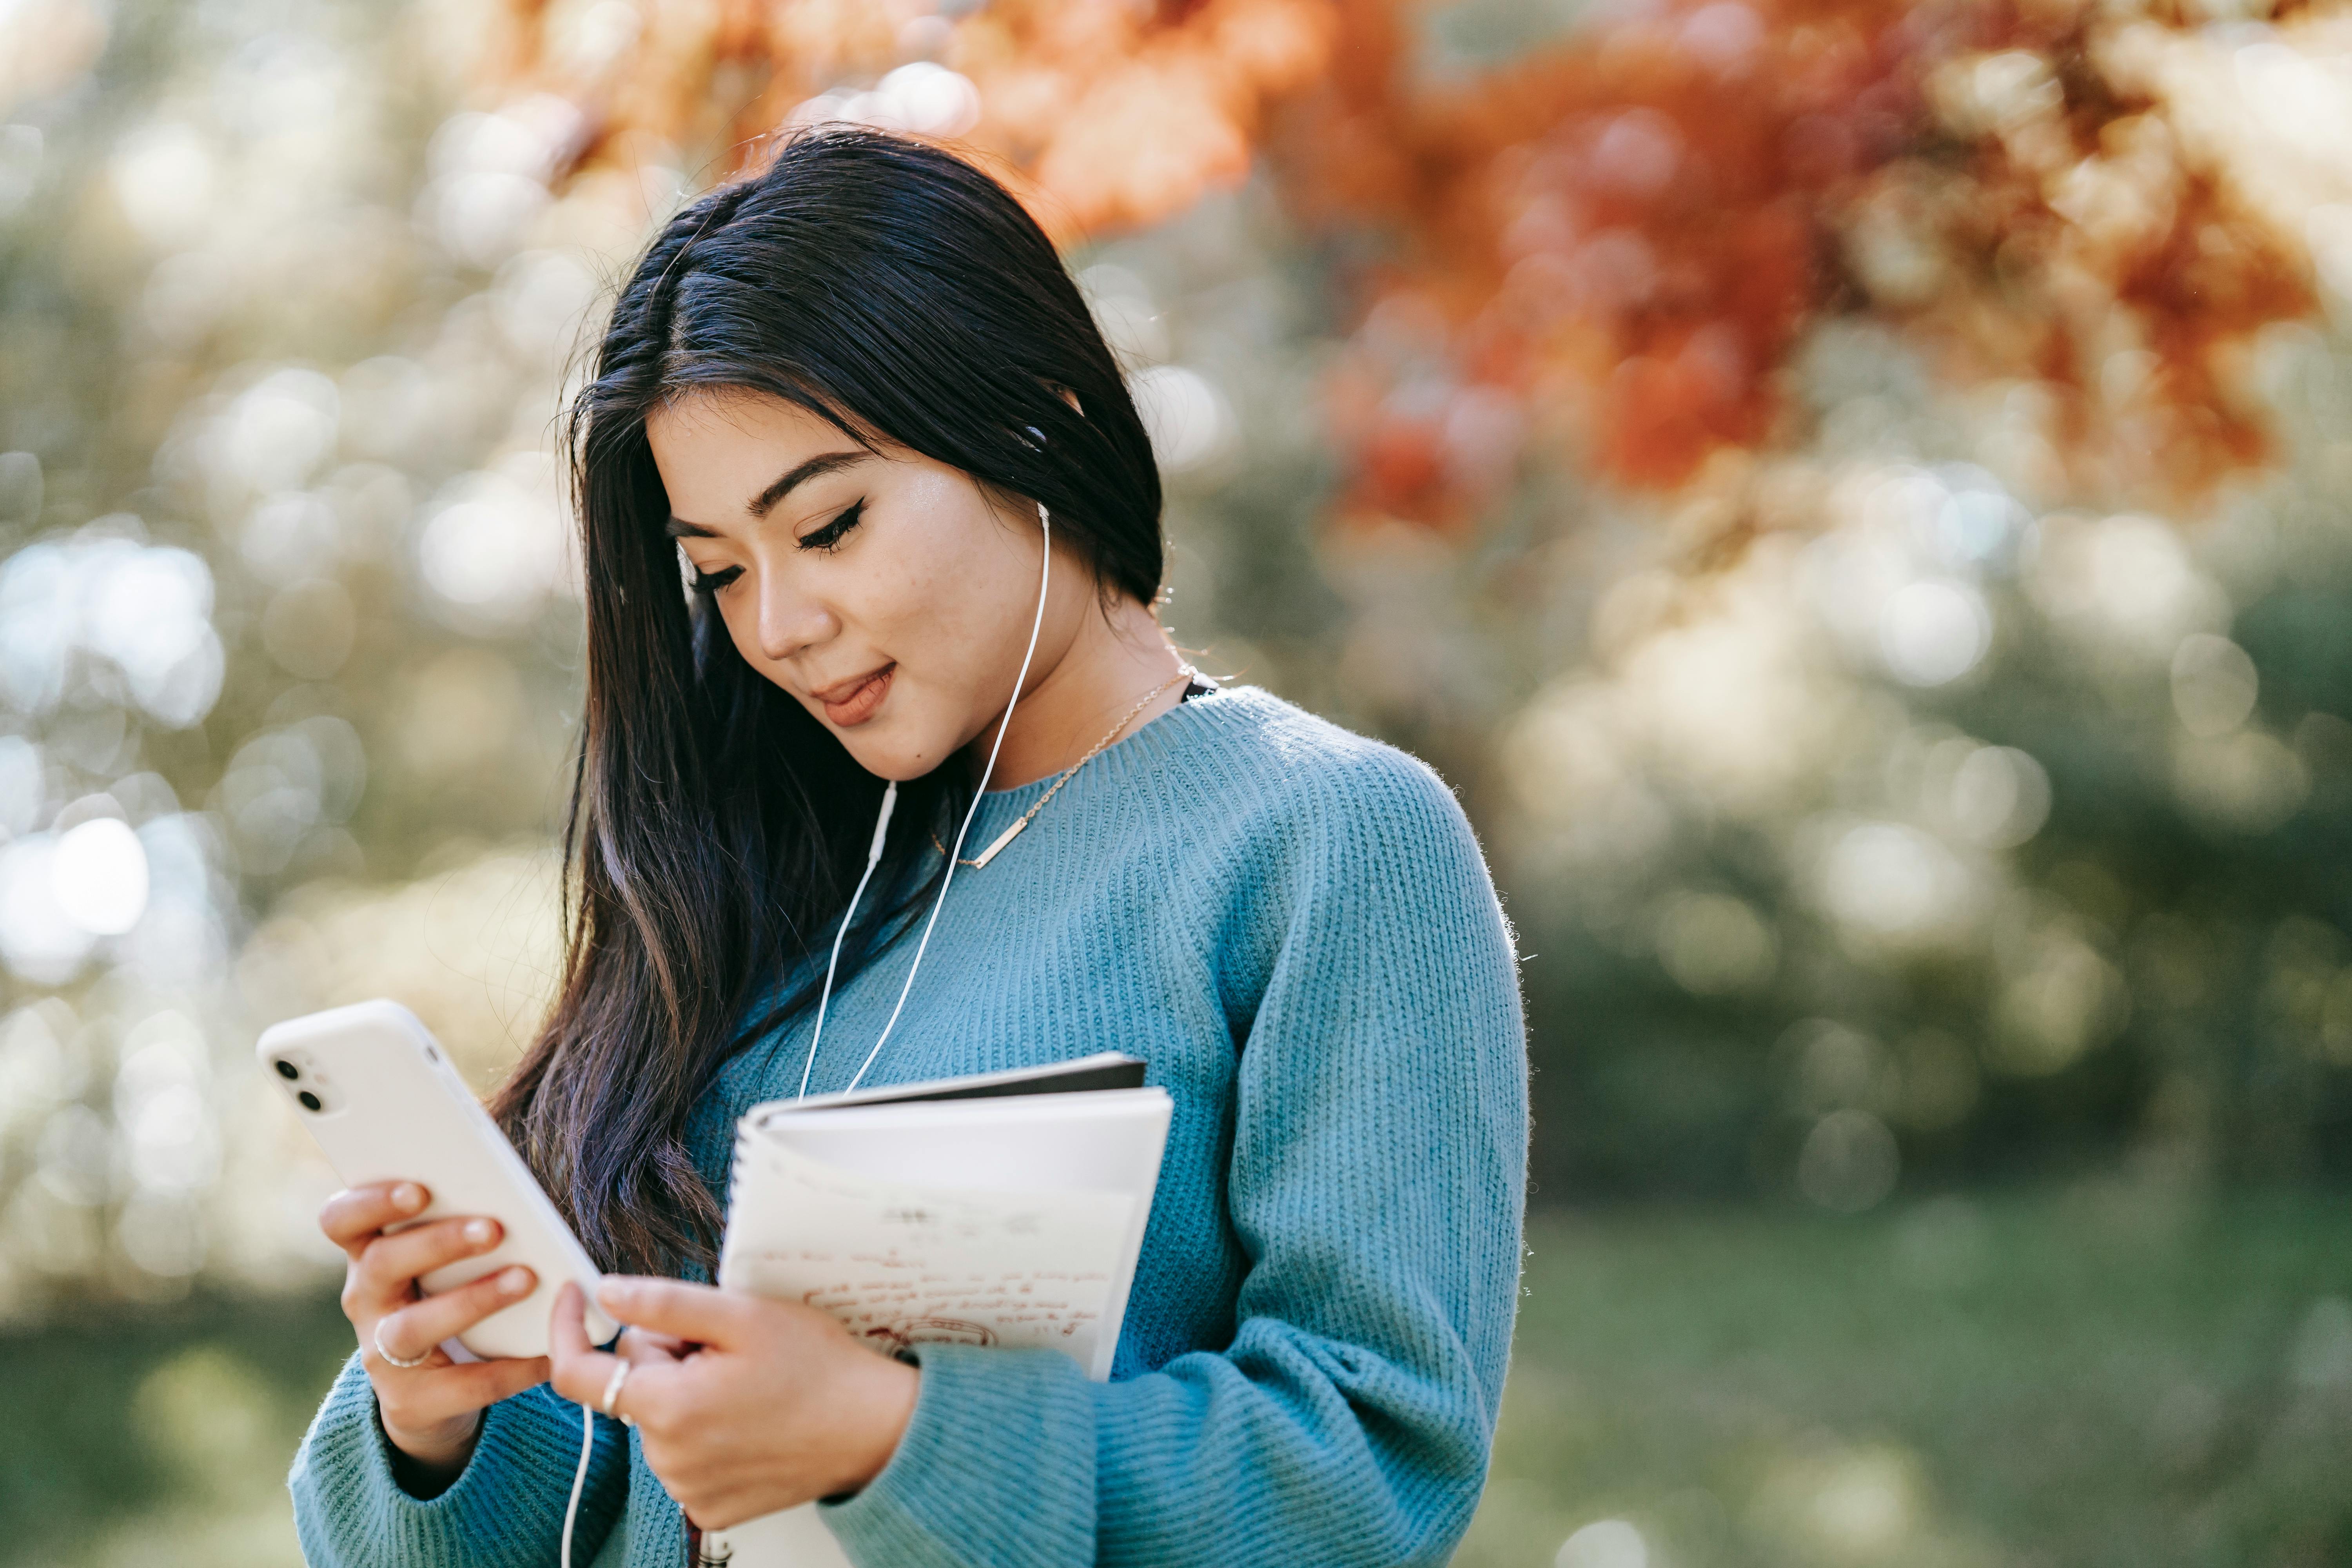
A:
(711, 582)
(830, 536)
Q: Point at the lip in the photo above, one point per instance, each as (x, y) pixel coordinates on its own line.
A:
(851, 703)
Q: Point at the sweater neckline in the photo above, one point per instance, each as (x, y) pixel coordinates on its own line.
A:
(1155, 731)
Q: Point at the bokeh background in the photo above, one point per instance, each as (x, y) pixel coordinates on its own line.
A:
(1851, 493)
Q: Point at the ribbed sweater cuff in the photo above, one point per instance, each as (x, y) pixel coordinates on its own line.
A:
(350, 1510)
(996, 1469)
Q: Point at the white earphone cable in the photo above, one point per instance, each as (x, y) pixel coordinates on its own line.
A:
(873, 858)
(579, 1480)
(890, 799)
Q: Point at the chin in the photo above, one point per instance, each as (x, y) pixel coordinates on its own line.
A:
(894, 757)
(894, 767)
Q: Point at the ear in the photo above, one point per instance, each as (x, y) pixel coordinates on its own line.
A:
(1072, 399)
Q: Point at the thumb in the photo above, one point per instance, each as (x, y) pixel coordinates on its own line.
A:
(699, 1314)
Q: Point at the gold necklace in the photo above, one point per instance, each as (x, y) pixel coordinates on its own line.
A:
(1023, 820)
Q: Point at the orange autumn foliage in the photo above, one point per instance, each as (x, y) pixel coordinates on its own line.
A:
(1104, 116)
(1614, 245)
(1628, 235)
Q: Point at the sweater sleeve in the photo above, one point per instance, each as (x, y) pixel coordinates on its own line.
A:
(1377, 1183)
(505, 1509)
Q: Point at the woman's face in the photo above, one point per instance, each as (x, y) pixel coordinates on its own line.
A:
(885, 593)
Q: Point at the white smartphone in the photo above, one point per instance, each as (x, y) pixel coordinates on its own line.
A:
(379, 1095)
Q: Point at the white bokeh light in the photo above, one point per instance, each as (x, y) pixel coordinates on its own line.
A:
(1189, 419)
(181, 939)
(490, 173)
(1604, 1543)
(291, 535)
(164, 177)
(147, 609)
(38, 627)
(279, 431)
(2126, 580)
(542, 298)
(1932, 632)
(161, 1105)
(40, 1068)
(2000, 796)
(497, 544)
(930, 98)
(37, 939)
(2214, 684)
(98, 875)
(21, 785)
(1890, 879)
(922, 96)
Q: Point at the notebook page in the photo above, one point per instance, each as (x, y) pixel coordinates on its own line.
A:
(900, 1265)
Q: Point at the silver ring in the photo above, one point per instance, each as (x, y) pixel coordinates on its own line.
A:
(393, 1360)
(612, 1392)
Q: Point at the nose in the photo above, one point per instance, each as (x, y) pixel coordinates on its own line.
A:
(790, 620)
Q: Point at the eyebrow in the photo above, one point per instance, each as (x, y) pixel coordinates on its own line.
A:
(792, 478)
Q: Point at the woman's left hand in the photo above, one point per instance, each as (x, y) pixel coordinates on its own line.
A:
(745, 1405)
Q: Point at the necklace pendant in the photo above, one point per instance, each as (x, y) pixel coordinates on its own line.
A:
(1003, 838)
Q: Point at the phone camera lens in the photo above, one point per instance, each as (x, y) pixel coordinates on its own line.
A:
(287, 1069)
(309, 1101)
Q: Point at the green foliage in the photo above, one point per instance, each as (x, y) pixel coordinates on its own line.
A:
(2097, 1378)
(129, 1437)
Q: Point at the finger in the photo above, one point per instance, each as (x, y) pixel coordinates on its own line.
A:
(719, 1514)
(390, 1263)
(643, 1346)
(451, 1391)
(697, 1312)
(491, 1381)
(352, 1217)
(579, 1370)
(408, 1332)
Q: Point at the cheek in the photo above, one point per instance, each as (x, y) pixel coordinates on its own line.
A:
(961, 608)
(899, 598)
(918, 611)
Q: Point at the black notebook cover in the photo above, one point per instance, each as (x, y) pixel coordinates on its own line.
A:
(1072, 1078)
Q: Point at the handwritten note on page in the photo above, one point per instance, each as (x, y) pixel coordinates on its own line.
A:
(902, 1265)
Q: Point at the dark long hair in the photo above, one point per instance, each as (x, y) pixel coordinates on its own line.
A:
(716, 827)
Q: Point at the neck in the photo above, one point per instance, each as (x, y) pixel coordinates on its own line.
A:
(1114, 656)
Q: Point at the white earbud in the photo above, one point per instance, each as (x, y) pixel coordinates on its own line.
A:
(882, 826)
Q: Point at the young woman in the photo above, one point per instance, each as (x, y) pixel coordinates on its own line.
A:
(862, 398)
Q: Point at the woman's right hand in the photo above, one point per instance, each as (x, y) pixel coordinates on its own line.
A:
(431, 1412)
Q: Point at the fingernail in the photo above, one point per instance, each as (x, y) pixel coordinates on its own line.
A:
(408, 1197)
(612, 1295)
(477, 1231)
(515, 1281)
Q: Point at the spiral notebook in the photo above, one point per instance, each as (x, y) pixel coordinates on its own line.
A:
(1005, 1209)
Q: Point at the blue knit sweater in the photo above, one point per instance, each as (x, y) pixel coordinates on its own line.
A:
(1293, 926)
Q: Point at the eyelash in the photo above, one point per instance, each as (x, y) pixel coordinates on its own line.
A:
(827, 539)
